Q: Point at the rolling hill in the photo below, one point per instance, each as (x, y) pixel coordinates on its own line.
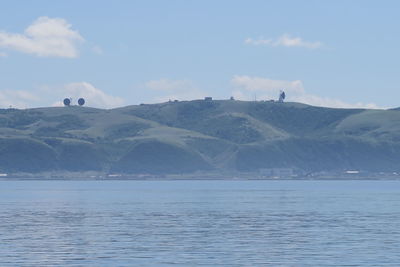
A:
(199, 136)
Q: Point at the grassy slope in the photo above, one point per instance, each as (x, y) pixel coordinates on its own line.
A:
(199, 135)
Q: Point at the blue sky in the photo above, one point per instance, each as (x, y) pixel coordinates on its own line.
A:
(115, 53)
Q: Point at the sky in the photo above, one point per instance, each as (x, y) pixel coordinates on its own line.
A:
(114, 53)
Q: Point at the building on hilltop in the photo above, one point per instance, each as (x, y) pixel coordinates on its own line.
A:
(282, 96)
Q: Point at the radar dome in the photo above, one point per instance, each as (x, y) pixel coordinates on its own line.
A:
(81, 101)
(67, 102)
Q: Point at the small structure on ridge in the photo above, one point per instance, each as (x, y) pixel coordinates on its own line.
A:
(81, 101)
(67, 101)
(282, 96)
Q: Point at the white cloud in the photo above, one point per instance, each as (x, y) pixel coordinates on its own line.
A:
(259, 41)
(174, 89)
(94, 97)
(48, 95)
(284, 40)
(331, 102)
(45, 37)
(246, 87)
(97, 50)
(16, 98)
(267, 86)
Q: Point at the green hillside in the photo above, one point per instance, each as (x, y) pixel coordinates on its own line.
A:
(199, 136)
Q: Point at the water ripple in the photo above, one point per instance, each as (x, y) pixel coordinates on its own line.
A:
(190, 223)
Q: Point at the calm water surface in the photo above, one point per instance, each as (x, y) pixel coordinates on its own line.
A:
(232, 223)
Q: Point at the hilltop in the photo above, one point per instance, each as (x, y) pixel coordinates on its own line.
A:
(199, 136)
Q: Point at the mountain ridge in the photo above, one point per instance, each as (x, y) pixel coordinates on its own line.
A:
(199, 136)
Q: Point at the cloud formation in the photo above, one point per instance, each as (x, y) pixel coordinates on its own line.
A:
(94, 97)
(246, 87)
(16, 98)
(50, 95)
(174, 90)
(284, 40)
(97, 50)
(45, 37)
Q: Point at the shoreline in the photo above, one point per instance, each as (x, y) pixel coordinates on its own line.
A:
(332, 178)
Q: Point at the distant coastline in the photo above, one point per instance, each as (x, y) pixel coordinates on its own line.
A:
(83, 176)
(222, 139)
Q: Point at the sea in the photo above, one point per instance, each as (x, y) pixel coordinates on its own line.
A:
(200, 223)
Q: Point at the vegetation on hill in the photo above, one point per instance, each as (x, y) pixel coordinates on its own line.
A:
(191, 136)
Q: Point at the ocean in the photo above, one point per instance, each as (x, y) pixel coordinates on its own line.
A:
(190, 223)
